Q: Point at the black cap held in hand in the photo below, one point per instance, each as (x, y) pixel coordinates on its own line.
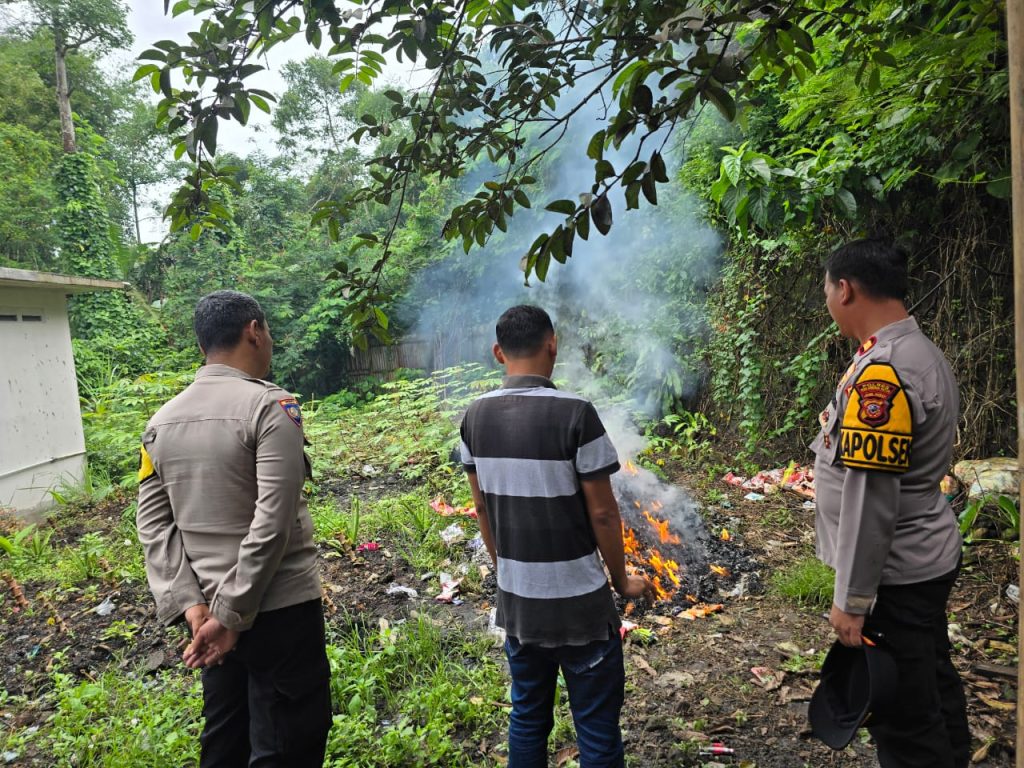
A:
(857, 688)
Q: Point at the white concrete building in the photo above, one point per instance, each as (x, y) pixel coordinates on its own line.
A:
(41, 440)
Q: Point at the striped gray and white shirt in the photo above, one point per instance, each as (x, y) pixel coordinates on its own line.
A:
(530, 445)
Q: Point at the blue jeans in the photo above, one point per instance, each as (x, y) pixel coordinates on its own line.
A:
(595, 679)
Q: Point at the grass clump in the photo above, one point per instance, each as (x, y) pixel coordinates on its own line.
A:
(413, 694)
(119, 721)
(807, 582)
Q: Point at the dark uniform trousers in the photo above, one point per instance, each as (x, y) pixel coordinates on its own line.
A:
(927, 726)
(269, 704)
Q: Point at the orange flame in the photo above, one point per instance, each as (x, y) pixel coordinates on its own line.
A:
(661, 528)
(726, 535)
(718, 570)
(630, 467)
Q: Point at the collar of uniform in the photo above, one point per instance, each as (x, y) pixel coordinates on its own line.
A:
(895, 330)
(216, 369)
(526, 381)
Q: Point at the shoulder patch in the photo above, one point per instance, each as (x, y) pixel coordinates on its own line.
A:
(291, 407)
(877, 430)
(146, 469)
(864, 348)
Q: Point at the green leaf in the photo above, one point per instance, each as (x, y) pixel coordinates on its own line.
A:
(884, 59)
(595, 149)
(847, 202)
(649, 188)
(601, 214)
(658, 168)
(643, 99)
(567, 207)
(732, 168)
(521, 198)
(583, 225)
(382, 319)
(1000, 188)
(722, 101)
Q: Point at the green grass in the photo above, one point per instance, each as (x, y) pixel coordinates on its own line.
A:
(120, 720)
(412, 695)
(807, 582)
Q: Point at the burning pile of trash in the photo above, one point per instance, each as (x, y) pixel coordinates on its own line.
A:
(666, 539)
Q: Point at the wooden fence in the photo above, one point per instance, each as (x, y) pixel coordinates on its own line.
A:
(424, 353)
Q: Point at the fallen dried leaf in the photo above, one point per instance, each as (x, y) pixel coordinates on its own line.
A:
(1003, 706)
(999, 645)
(641, 662)
(767, 678)
(565, 754)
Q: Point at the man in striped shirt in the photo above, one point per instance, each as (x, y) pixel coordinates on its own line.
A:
(539, 464)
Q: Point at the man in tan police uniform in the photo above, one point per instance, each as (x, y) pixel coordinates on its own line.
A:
(229, 546)
(885, 443)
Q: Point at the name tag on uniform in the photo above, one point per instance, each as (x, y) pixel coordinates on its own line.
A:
(877, 430)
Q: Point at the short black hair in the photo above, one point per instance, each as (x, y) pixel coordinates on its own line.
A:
(879, 266)
(521, 330)
(221, 317)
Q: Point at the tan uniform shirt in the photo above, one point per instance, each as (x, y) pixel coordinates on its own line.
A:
(221, 513)
(885, 443)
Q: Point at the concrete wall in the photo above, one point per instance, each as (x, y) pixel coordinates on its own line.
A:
(41, 441)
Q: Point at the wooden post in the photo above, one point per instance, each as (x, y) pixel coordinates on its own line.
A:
(1015, 42)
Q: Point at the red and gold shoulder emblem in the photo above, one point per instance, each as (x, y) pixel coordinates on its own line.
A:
(864, 348)
(291, 407)
(875, 401)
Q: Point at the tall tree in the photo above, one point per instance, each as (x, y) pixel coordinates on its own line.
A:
(100, 24)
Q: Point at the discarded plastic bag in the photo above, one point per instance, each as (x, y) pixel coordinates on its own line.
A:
(453, 534)
(398, 589)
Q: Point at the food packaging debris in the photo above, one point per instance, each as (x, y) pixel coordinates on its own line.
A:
(475, 543)
(492, 626)
(445, 509)
(699, 611)
(449, 589)
(105, 608)
(626, 628)
(767, 678)
(1013, 593)
(453, 534)
(988, 476)
(368, 546)
(754, 496)
(398, 589)
(796, 478)
(809, 505)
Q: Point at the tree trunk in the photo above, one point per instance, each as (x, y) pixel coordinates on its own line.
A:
(67, 125)
(135, 210)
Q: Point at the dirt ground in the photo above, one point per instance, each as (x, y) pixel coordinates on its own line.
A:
(692, 683)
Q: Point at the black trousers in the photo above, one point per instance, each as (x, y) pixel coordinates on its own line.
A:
(927, 726)
(269, 704)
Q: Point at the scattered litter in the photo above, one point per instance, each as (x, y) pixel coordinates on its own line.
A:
(767, 678)
(626, 627)
(740, 588)
(463, 569)
(445, 509)
(985, 476)
(427, 576)
(754, 496)
(475, 543)
(368, 470)
(449, 589)
(105, 608)
(492, 626)
(484, 572)
(1013, 593)
(699, 611)
(809, 504)
(716, 748)
(796, 478)
(369, 546)
(35, 651)
(10, 757)
(453, 534)
(398, 589)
